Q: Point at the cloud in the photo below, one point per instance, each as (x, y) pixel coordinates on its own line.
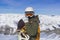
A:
(12, 3)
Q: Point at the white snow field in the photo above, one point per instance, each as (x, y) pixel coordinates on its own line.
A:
(47, 23)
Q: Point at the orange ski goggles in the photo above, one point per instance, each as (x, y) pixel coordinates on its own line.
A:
(29, 13)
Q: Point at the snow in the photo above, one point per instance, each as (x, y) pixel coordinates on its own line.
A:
(8, 37)
(46, 22)
(49, 21)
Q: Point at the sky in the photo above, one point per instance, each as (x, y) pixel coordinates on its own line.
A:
(48, 7)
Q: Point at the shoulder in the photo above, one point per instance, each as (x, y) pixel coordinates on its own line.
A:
(36, 16)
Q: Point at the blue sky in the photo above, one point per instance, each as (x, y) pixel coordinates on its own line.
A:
(49, 7)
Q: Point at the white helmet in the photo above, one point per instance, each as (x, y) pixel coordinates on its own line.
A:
(29, 9)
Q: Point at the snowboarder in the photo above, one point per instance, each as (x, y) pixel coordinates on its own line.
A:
(32, 26)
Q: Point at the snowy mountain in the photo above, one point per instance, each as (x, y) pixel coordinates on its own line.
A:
(46, 21)
(10, 19)
(49, 25)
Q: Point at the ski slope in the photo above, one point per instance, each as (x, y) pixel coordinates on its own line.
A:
(46, 23)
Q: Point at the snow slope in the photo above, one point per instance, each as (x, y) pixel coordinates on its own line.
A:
(46, 23)
(45, 20)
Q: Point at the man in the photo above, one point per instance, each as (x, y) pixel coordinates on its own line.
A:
(32, 26)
